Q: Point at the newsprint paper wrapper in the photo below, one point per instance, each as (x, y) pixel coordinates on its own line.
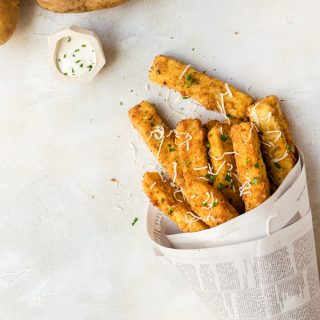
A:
(261, 265)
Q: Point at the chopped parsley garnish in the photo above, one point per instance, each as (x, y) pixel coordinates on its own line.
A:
(228, 115)
(77, 50)
(289, 147)
(162, 199)
(81, 65)
(228, 177)
(73, 55)
(277, 165)
(190, 80)
(224, 137)
(208, 145)
(78, 61)
(214, 203)
(256, 165)
(171, 149)
(185, 97)
(171, 210)
(69, 39)
(90, 67)
(121, 103)
(135, 220)
(221, 186)
(83, 46)
(205, 204)
(255, 180)
(72, 70)
(193, 49)
(65, 55)
(211, 178)
(65, 74)
(152, 124)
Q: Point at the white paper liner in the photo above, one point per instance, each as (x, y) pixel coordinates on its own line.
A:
(261, 265)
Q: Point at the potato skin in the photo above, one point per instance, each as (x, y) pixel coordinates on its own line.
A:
(78, 6)
(250, 165)
(9, 16)
(206, 90)
(161, 195)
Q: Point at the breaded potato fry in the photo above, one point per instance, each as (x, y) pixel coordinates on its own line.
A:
(251, 169)
(162, 195)
(158, 137)
(204, 198)
(211, 93)
(223, 163)
(278, 153)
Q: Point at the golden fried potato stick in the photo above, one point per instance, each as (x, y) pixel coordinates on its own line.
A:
(159, 138)
(251, 169)
(163, 196)
(211, 93)
(204, 198)
(223, 163)
(278, 152)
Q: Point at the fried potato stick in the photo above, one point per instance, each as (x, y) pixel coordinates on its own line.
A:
(278, 152)
(162, 195)
(204, 198)
(211, 93)
(159, 138)
(251, 169)
(223, 163)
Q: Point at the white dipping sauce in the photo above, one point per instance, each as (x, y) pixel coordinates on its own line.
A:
(75, 56)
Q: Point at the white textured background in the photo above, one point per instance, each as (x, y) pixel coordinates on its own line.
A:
(66, 251)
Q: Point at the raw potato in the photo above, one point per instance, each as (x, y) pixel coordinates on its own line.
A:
(211, 93)
(73, 6)
(9, 16)
(162, 195)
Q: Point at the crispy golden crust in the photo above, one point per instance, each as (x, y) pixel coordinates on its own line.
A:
(274, 143)
(224, 164)
(161, 195)
(73, 6)
(250, 166)
(145, 119)
(208, 91)
(9, 16)
(204, 199)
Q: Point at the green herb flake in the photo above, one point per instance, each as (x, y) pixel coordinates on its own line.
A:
(83, 46)
(221, 186)
(289, 147)
(81, 65)
(90, 67)
(65, 74)
(228, 115)
(224, 137)
(77, 50)
(171, 210)
(185, 97)
(255, 180)
(190, 80)
(205, 204)
(214, 203)
(72, 70)
(277, 165)
(247, 161)
(211, 178)
(162, 199)
(256, 165)
(121, 103)
(135, 220)
(208, 145)
(78, 61)
(65, 55)
(228, 177)
(172, 149)
(69, 39)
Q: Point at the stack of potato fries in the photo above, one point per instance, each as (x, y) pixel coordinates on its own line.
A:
(217, 170)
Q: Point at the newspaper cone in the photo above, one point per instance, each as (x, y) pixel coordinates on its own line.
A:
(261, 265)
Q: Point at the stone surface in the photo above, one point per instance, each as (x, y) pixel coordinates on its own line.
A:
(67, 247)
